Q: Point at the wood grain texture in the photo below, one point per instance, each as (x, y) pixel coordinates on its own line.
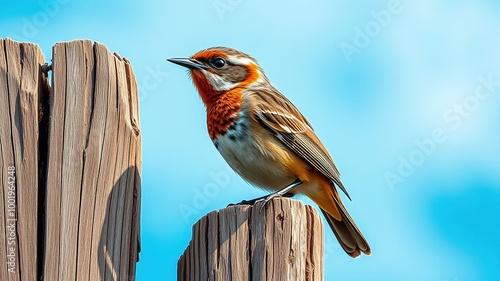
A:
(283, 242)
(21, 84)
(76, 151)
(92, 203)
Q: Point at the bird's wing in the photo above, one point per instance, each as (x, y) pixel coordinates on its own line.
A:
(285, 121)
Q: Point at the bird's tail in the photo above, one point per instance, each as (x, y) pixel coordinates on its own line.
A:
(343, 226)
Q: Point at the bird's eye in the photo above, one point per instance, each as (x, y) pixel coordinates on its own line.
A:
(218, 62)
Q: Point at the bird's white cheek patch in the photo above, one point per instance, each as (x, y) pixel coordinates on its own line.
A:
(219, 83)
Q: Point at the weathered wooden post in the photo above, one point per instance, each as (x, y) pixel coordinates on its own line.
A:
(283, 242)
(22, 85)
(71, 158)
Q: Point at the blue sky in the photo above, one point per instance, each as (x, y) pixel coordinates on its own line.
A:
(404, 94)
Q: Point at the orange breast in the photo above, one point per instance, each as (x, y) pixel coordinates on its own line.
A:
(222, 112)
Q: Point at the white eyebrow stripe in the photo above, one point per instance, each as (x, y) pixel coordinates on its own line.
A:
(240, 60)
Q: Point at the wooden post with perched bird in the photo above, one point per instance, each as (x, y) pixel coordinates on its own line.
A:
(282, 241)
(70, 163)
(266, 140)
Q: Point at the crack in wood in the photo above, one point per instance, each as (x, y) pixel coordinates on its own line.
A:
(275, 244)
(69, 194)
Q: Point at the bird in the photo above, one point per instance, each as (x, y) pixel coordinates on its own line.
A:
(266, 140)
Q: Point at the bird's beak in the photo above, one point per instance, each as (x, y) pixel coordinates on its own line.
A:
(189, 63)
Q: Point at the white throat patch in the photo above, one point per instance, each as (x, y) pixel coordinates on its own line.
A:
(219, 83)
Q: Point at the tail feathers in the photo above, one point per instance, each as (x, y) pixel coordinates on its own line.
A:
(346, 231)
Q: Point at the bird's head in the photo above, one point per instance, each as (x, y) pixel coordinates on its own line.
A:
(218, 70)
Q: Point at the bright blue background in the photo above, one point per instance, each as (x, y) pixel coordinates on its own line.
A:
(442, 222)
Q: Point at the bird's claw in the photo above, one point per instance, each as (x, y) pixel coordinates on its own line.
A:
(244, 202)
(263, 199)
(272, 196)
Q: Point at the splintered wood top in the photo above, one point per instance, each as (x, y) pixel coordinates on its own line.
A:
(283, 242)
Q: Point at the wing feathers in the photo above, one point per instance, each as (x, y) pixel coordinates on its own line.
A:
(289, 126)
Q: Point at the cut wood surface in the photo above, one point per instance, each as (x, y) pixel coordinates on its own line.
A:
(283, 242)
(76, 151)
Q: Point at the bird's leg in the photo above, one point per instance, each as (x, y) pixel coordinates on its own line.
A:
(253, 201)
(279, 193)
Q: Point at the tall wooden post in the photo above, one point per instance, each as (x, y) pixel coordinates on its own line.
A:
(283, 242)
(22, 84)
(70, 157)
